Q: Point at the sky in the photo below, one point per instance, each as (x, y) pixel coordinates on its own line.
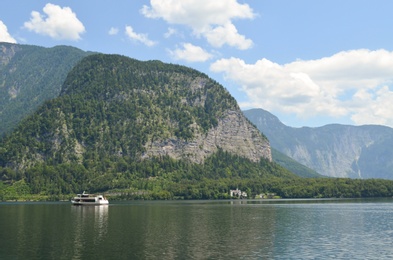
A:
(308, 62)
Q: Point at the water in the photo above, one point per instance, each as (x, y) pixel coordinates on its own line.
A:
(277, 229)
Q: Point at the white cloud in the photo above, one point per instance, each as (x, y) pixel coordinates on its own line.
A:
(4, 35)
(113, 31)
(350, 83)
(58, 23)
(205, 17)
(171, 31)
(190, 53)
(227, 34)
(374, 107)
(138, 37)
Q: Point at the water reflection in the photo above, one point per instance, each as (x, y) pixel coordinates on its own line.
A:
(101, 220)
(90, 228)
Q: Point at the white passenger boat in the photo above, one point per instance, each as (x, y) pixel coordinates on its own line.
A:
(89, 199)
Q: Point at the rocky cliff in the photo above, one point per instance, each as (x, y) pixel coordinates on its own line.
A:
(332, 150)
(7, 52)
(233, 133)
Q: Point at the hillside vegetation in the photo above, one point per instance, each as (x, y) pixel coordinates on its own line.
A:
(30, 75)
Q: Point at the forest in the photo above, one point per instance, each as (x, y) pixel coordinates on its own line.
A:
(166, 178)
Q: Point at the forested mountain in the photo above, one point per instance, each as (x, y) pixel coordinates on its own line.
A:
(114, 106)
(332, 150)
(117, 119)
(30, 75)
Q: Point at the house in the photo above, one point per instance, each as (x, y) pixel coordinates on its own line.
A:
(238, 193)
(265, 196)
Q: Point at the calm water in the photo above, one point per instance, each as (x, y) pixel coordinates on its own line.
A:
(298, 229)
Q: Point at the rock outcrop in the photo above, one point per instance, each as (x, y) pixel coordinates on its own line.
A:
(233, 134)
(7, 52)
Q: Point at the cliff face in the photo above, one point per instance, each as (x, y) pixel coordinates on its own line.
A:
(233, 133)
(332, 150)
(7, 52)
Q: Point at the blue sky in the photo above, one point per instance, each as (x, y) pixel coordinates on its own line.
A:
(308, 62)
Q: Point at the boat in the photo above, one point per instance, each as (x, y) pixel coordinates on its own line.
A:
(89, 199)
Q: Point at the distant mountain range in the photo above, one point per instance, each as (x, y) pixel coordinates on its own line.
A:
(332, 150)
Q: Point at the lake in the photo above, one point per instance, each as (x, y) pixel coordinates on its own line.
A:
(230, 229)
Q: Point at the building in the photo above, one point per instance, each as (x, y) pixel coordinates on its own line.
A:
(238, 193)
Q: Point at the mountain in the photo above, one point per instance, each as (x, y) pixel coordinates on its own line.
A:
(145, 109)
(118, 122)
(332, 150)
(293, 166)
(33, 74)
(30, 75)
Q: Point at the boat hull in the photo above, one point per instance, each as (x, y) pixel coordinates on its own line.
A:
(82, 203)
